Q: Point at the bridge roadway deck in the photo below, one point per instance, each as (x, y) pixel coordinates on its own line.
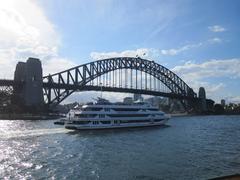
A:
(8, 82)
(116, 89)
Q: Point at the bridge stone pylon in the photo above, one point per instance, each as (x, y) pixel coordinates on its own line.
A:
(30, 94)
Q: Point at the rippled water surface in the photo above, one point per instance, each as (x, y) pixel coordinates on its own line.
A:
(188, 148)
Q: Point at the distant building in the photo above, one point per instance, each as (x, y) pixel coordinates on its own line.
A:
(128, 100)
(137, 97)
(152, 100)
(157, 101)
(210, 104)
(202, 97)
(223, 102)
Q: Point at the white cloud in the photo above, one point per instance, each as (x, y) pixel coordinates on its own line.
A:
(196, 74)
(150, 53)
(173, 52)
(176, 51)
(143, 52)
(215, 40)
(26, 32)
(232, 99)
(56, 64)
(211, 68)
(216, 28)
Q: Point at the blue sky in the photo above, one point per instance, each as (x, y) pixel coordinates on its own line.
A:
(198, 40)
(103, 26)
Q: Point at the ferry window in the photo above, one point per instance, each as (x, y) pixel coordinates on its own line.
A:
(153, 109)
(124, 121)
(81, 122)
(134, 121)
(85, 115)
(91, 109)
(105, 122)
(125, 109)
(81, 115)
(34, 78)
(96, 109)
(102, 115)
(91, 115)
(128, 115)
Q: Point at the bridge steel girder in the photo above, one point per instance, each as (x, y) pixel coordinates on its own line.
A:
(64, 83)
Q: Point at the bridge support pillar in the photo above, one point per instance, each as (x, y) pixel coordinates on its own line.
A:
(31, 94)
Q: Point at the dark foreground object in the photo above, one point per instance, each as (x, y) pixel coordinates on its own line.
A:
(230, 177)
(59, 123)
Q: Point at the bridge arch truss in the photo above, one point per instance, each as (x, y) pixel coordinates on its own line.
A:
(141, 75)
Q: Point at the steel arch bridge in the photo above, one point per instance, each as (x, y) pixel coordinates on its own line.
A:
(121, 74)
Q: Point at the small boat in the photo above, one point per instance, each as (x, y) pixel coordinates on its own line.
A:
(105, 115)
(60, 121)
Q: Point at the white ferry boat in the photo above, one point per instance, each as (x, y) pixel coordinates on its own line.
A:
(104, 115)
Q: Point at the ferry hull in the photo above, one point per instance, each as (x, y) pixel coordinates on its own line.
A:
(113, 126)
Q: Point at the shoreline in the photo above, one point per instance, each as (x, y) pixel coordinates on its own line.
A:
(27, 116)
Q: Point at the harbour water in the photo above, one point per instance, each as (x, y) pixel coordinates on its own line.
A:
(197, 147)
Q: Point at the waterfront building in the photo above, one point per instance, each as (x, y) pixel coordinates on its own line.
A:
(223, 102)
(202, 97)
(128, 100)
(137, 97)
